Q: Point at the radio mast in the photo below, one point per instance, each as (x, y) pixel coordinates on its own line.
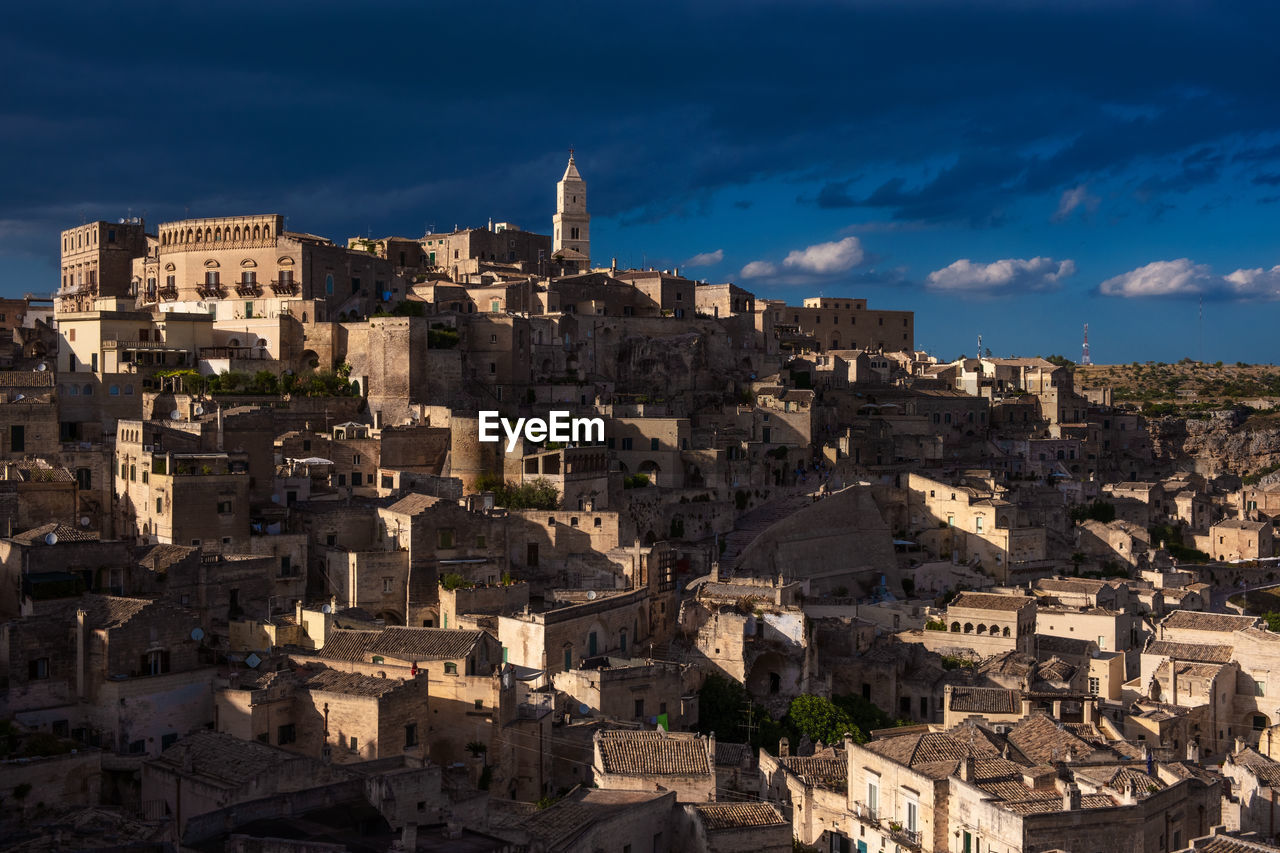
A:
(1084, 354)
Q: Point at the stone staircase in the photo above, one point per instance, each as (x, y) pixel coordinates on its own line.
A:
(755, 522)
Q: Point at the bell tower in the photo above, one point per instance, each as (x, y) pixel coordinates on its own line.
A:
(571, 238)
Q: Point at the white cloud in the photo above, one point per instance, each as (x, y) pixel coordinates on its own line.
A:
(826, 258)
(1183, 277)
(813, 262)
(705, 259)
(1003, 276)
(1254, 284)
(758, 269)
(1073, 199)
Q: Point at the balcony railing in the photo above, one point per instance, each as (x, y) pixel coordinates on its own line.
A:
(904, 836)
(289, 286)
(211, 291)
(866, 813)
(250, 289)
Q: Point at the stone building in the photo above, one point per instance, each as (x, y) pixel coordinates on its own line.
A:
(631, 760)
(848, 324)
(1235, 539)
(737, 828)
(97, 260)
(209, 771)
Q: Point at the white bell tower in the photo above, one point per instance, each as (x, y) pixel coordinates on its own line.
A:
(571, 239)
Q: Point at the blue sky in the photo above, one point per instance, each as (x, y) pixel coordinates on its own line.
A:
(1011, 169)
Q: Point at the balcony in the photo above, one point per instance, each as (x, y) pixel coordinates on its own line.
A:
(210, 291)
(905, 837)
(169, 293)
(286, 286)
(249, 289)
(867, 814)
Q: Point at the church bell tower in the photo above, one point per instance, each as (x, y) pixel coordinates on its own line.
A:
(571, 238)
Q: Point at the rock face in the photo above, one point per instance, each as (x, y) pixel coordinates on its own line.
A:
(1223, 443)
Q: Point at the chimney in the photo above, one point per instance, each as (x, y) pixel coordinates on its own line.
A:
(784, 748)
(1071, 798)
(967, 769)
(1193, 751)
(715, 571)
(711, 750)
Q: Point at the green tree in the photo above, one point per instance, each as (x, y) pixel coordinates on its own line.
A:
(821, 719)
(1099, 510)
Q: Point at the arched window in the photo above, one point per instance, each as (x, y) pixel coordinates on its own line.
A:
(955, 627)
(1006, 630)
(968, 627)
(257, 232)
(266, 232)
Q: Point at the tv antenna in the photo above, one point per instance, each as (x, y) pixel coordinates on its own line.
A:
(1084, 350)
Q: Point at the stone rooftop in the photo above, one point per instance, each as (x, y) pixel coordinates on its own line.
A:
(424, 643)
(989, 601)
(351, 683)
(985, 700)
(1202, 652)
(652, 753)
(719, 816)
(1197, 621)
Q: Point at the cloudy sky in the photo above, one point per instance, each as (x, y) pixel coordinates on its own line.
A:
(1011, 169)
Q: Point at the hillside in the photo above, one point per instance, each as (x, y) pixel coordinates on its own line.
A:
(1186, 382)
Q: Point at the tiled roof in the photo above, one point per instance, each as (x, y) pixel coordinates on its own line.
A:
(561, 825)
(737, 815)
(1202, 652)
(350, 683)
(646, 753)
(110, 611)
(1194, 620)
(1227, 844)
(64, 532)
(1056, 669)
(425, 643)
(985, 700)
(1087, 586)
(824, 772)
(990, 601)
(1040, 739)
(413, 504)
(158, 558)
(222, 759)
(347, 645)
(733, 754)
(1043, 806)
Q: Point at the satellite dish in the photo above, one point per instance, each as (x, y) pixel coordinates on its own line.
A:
(591, 596)
(51, 538)
(197, 634)
(84, 521)
(199, 410)
(275, 499)
(19, 397)
(175, 415)
(328, 608)
(42, 367)
(584, 710)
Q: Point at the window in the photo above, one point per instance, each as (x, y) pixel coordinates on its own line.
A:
(977, 524)
(156, 663)
(479, 704)
(159, 505)
(38, 669)
(873, 794)
(354, 745)
(626, 444)
(653, 444)
(224, 507)
(1095, 686)
(639, 708)
(288, 733)
(568, 658)
(913, 816)
(387, 585)
(450, 669)
(480, 541)
(410, 734)
(211, 278)
(445, 537)
(17, 438)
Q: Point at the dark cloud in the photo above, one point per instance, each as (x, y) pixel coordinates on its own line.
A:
(392, 117)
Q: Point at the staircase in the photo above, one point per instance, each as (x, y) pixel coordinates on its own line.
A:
(755, 522)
